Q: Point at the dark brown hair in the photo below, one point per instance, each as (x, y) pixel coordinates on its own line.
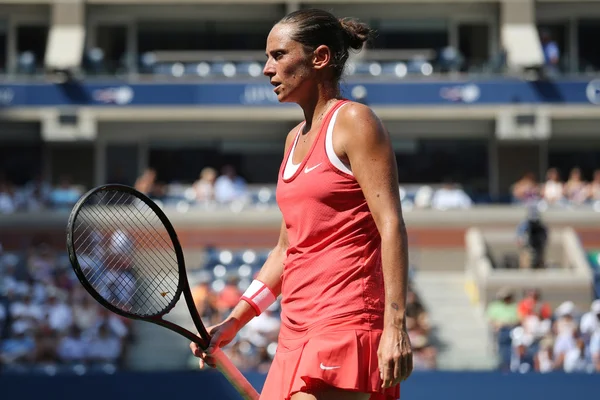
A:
(315, 27)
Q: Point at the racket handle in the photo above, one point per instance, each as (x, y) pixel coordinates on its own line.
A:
(234, 376)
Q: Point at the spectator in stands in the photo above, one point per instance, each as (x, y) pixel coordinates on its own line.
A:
(544, 359)
(564, 321)
(577, 359)
(9, 281)
(553, 190)
(204, 298)
(145, 182)
(148, 184)
(25, 313)
(65, 195)
(18, 348)
(85, 313)
(105, 347)
(72, 348)
(502, 317)
(424, 355)
(229, 296)
(551, 54)
(565, 330)
(229, 186)
(204, 187)
(41, 263)
(535, 318)
(450, 196)
(522, 359)
(594, 186)
(7, 200)
(532, 304)
(532, 238)
(502, 312)
(414, 307)
(59, 315)
(36, 194)
(590, 321)
(577, 191)
(423, 196)
(118, 326)
(526, 189)
(263, 330)
(46, 344)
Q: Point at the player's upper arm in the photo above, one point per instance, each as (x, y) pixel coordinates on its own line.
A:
(366, 146)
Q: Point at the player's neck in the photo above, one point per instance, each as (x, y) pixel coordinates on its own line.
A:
(318, 103)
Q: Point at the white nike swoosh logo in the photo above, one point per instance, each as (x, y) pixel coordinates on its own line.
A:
(328, 368)
(307, 170)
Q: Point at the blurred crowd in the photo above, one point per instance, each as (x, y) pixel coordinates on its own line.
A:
(225, 187)
(38, 194)
(530, 335)
(220, 283)
(48, 319)
(210, 187)
(554, 192)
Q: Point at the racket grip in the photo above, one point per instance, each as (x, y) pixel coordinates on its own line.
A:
(234, 376)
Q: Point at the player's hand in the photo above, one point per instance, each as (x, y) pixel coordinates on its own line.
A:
(221, 335)
(395, 356)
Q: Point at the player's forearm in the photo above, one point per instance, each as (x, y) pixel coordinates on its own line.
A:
(394, 249)
(270, 274)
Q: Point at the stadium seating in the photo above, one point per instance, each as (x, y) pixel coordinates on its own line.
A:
(49, 324)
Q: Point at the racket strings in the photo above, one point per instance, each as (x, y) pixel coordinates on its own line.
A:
(125, 284)
(100, 277)
(125, 253)
(113, 258)
(147, 239)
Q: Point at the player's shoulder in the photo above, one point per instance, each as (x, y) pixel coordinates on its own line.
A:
(353, 112)
(358, 121)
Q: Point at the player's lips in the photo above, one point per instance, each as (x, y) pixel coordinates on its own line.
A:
(276, 84)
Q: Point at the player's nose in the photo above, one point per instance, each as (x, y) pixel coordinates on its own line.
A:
(269, 69)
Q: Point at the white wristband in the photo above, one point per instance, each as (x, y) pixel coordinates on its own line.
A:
(259, 296)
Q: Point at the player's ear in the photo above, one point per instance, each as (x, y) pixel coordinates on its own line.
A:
(321, 57)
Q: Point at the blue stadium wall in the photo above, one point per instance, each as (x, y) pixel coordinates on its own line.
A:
(475, 92)
(211, 385)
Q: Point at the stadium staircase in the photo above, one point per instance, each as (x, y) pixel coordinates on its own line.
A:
(460, 330)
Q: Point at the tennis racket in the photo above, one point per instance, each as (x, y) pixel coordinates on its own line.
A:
(126, 254)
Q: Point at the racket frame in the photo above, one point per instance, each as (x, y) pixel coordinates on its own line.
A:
(183, 286)
(223, 363)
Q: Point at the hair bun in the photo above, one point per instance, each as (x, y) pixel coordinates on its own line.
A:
(357, 33)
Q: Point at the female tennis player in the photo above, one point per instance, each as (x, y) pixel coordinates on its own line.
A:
(341, 261)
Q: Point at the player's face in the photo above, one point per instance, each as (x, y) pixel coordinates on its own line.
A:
(288, 65)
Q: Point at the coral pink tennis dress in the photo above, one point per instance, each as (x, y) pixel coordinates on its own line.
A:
(332, 292)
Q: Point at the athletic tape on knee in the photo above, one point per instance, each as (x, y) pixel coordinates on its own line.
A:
(259, 296)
